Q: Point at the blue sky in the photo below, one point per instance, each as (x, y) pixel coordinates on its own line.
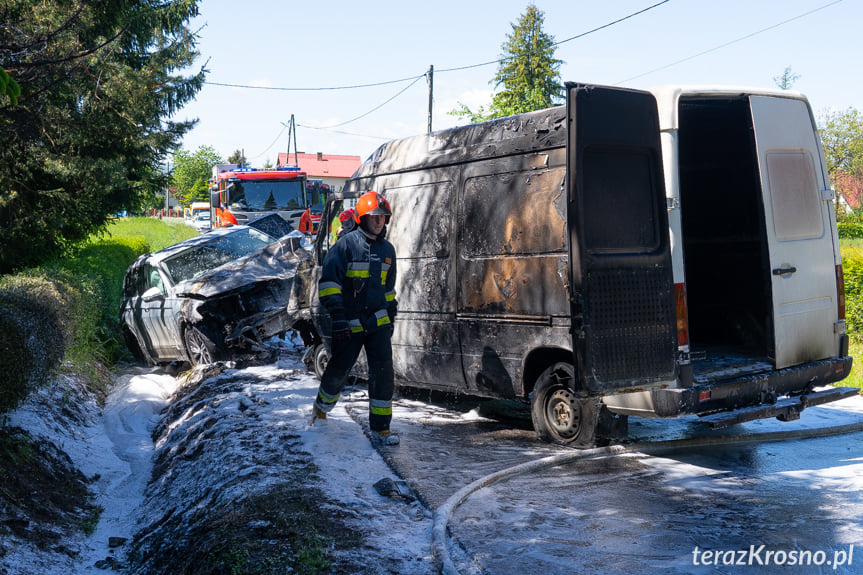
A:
(333, 44)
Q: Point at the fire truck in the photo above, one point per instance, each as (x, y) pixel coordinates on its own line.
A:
(240, 195)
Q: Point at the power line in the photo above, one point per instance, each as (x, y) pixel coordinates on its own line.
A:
(576, 37)
(399, 93)
(313, 89)
(729, 43)
(619, 20)
(415, 78)
(346, 133)
(284, 127)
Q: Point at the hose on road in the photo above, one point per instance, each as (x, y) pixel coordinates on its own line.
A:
(444, 513)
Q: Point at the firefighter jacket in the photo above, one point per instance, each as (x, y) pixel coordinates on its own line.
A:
(357, 284)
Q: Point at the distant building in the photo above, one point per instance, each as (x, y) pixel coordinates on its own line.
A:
(333, 169)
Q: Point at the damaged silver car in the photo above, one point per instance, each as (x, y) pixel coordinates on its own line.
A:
(215, 296)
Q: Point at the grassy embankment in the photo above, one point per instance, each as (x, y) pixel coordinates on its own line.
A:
(62, 317)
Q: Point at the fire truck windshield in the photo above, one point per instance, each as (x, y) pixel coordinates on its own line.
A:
(266, 195)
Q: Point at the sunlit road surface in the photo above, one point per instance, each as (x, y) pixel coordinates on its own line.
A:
(792, 506)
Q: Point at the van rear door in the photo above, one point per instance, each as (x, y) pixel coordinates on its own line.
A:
(622, 287)
(799, 238)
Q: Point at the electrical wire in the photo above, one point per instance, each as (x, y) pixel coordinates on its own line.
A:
(327, 128)
(314, 89)
(576, 37)
(729, 43)
(271, 145)
(415, 79)
(346, 133)
(399, 93)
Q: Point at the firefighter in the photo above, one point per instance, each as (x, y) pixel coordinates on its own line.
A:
(357, 287)
(347, 220)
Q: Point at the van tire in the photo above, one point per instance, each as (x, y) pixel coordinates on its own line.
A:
(558, 415)
(321, 358)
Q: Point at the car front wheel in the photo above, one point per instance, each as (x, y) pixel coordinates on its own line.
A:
(200, 349)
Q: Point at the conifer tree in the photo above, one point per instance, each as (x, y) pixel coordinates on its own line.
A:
(90, 130)
(527, 72)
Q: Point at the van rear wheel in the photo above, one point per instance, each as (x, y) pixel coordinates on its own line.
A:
(558, 415)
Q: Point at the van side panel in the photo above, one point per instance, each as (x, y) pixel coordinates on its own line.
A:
(511, 266)
(425, 341)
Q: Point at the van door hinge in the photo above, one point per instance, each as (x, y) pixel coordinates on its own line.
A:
(828, 194)
(672, 203)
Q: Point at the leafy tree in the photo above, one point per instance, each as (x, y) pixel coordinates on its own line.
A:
(787, 79)
(191, 172)
(842, 137)
(528, 72)
(238, 157)
(90, 132)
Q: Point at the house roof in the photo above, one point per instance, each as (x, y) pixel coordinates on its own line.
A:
(322, 165)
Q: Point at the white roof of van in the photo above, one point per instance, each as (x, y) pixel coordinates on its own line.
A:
(667, 97)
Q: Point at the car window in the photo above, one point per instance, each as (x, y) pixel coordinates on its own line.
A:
(202, 258)
(152, 279)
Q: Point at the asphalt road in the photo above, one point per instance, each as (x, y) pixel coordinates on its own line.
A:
(747, 498)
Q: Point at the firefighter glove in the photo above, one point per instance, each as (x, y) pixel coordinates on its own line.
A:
(341, 330)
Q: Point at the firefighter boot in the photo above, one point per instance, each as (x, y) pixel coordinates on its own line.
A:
(317, 414)
(386, 437)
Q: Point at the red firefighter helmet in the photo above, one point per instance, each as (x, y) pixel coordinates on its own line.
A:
(346, 215)
(372, 204)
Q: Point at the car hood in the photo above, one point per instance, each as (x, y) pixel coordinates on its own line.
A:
(277, 261)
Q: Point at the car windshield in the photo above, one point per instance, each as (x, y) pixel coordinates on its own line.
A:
(202, 258)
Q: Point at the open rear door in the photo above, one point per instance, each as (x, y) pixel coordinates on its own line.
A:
(623, 309)
(797, 204)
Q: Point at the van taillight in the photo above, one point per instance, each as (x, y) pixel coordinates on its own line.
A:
(682, 319)
(840, 291)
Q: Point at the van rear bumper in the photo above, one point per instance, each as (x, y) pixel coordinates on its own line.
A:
(764, 388)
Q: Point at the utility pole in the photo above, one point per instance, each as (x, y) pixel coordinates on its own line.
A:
(431, 94)
(292, 129)
(167, 184)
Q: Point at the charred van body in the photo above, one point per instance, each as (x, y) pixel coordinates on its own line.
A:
(631, 253)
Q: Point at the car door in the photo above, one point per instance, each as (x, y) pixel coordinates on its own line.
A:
(624, 323)
(157, 310)
(797, 203)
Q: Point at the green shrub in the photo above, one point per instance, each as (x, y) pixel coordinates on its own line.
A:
(852, 266)
(34, 325)
(850, 230)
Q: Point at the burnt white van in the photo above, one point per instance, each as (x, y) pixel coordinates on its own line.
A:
(653, 254)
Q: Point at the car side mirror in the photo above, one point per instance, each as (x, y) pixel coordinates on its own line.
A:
(152, 294)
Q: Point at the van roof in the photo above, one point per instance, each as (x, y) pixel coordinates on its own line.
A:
(534, 131)
(668, 96)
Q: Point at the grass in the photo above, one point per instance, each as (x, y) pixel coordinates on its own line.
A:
(855, 379)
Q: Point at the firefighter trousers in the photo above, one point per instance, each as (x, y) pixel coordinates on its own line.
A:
(379, 353)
